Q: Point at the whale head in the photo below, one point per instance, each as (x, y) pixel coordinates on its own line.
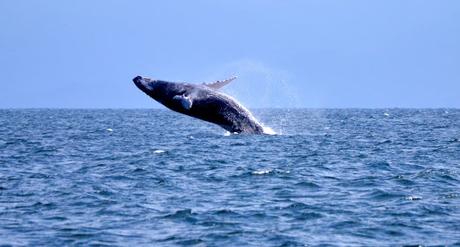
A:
(144, 84)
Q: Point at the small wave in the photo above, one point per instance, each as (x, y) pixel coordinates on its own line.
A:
(451, 196)
(413, 198)
(180, 214)
(159, 151)
(451, 141)
(306, 184)
(262, 172)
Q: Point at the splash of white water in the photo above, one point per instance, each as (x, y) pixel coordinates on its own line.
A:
(269, 131)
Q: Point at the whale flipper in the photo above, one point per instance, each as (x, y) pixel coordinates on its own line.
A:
(185, 101)
(219, 84)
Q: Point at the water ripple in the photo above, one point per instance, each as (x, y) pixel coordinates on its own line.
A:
(352, 177)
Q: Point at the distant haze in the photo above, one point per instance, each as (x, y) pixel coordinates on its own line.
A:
(83, 54)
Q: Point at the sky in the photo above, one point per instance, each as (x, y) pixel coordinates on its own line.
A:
(305, 53)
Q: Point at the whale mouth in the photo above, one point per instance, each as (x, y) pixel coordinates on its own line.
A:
(144, 84)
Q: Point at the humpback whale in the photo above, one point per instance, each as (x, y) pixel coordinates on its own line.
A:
(203, 101)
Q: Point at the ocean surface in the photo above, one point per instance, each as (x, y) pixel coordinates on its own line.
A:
(157, 178)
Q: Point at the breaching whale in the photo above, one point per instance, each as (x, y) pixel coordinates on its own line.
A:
(202, 101)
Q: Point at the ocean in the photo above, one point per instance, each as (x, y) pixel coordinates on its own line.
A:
(152, 177)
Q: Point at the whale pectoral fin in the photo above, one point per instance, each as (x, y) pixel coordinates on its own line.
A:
(219, 84)
(185, 101)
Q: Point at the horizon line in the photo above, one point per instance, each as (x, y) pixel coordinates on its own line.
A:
(252, 108)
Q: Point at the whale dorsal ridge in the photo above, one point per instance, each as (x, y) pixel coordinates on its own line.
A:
(219, 84)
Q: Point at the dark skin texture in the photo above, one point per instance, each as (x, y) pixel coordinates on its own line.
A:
(207, 104)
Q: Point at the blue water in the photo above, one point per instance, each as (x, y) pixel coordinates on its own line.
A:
(154, 177)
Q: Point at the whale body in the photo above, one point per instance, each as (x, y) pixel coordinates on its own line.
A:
(202, 101)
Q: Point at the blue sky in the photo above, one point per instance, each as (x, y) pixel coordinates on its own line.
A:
(322, 53)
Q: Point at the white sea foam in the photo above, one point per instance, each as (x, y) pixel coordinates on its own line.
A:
(262, 172)
(159, 151)
(269, 131)
(413, 198)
